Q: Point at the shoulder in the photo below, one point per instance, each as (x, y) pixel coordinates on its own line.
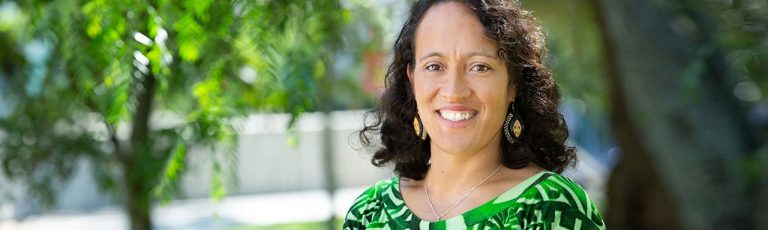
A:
(376, 191)
(555, 187)
(558, 202)
(369, 204)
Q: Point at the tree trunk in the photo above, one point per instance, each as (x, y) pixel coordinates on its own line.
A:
(680, 130)
(138, 204)
(138, 166)
(634, 190)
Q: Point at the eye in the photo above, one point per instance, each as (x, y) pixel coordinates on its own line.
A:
(481, 68)
(433, 67)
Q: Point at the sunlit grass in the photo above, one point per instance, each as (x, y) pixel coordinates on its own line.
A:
(292, 226)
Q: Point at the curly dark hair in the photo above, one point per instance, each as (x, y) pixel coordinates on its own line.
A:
(523, 49)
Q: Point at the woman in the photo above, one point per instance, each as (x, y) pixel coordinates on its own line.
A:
(469, 121)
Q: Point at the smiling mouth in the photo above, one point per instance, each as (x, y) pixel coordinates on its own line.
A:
(457, 115)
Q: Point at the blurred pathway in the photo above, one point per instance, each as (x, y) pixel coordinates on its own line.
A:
(232, 212)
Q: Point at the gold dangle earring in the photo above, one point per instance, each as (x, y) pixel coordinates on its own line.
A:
(419, 128)
(513, 128)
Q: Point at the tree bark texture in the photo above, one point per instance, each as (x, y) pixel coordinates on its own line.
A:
(138, 164)
(138, 204)
(681, 133)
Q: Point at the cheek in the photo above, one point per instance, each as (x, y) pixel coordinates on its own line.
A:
(416, 88)
(497, 96)
(422, 87)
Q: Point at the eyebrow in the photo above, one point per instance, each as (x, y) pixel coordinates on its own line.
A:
(472, 54)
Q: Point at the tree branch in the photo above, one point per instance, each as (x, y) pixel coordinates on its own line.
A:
(111, 130)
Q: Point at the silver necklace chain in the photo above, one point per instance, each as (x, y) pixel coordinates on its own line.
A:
(440, 216)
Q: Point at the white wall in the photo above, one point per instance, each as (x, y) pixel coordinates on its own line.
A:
(268, 164)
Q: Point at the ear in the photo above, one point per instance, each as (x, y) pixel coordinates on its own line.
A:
(409, 72)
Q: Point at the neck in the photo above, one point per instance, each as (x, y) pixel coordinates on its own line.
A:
(452, 174)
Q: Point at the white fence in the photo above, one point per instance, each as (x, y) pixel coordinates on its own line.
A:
(266, 163)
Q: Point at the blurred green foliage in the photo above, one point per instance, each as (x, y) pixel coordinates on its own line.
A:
(575, 50)
(740, 35)
(735, 31)
(133, 85)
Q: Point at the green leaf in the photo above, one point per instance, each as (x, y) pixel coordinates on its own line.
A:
(319, 69)
(191, 38)
(173, 168)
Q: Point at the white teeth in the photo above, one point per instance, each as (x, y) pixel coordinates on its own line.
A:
(457, 115)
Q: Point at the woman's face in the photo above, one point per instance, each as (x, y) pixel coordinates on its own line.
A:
(460, 83)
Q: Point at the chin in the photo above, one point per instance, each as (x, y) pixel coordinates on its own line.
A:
(456, 147)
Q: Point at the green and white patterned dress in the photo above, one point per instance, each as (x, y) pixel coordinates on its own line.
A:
(544, 201)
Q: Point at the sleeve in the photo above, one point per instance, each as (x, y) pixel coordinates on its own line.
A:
(358, 215)
(563, 204)
(562, 215)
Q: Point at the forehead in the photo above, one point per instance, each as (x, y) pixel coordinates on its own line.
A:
(452, 27)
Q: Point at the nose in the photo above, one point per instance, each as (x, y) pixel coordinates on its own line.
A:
(455, 87)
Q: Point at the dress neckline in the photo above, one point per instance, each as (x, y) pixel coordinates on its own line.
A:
(483, 211)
